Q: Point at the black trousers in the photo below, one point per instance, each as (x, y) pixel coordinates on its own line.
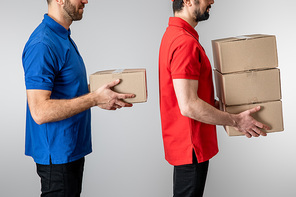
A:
(189, 180)
(61, 180)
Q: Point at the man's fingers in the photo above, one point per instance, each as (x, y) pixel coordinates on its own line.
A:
(255, 109)
(263, 133)
(117, 106)
(259, 131)
(245, 132)
(125, 96)
(113, 83)
(258, 124)
(123, 104)
(261, 125)
(255, 132)
(248, 135)
(266, 127)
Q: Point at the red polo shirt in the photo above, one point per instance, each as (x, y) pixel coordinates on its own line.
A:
(182, 57)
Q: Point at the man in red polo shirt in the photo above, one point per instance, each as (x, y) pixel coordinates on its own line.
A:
(187, 104)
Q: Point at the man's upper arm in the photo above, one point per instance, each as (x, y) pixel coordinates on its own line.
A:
(35, 100)
(186, 92)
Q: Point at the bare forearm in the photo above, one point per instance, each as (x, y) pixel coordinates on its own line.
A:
(203, 112)
(52, 110)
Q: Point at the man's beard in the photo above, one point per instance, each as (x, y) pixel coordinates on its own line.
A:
(202, 17)
(71, 10)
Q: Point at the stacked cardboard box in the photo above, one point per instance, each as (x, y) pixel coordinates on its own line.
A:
(133, 81)
(246, 76)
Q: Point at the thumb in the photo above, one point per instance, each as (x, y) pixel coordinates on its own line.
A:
(255, 109)
(113, 83)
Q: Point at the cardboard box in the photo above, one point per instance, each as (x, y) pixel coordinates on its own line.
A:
(132, 81)
(248, 87)
(270, 114)
(245, 53)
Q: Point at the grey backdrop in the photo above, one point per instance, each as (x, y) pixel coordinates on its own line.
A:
(128, 158)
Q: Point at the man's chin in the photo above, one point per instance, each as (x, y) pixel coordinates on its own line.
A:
(78, 18)
(203, 17)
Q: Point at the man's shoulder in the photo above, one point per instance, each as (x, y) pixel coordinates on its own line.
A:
(44, 40)
(179, 36)
(39, 35)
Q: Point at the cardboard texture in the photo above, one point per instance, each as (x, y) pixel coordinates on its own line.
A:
(270, 114)
(132, 81)
(245, 53)
(246, 76)
(248, 87)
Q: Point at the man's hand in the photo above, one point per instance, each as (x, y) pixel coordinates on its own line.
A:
(246, 124)
(110, 100)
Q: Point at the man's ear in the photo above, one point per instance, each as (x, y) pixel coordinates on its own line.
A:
(187, 3)
(60, 2)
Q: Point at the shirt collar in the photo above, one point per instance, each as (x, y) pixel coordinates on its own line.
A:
(176, 21)
(56, 27)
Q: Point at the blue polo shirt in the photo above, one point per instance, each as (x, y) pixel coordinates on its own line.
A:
(51, 61)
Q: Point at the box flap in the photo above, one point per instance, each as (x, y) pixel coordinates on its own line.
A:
(242, 37)
(118, 71)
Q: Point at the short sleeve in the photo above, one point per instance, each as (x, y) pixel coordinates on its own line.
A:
(38, 63)
(185, 60)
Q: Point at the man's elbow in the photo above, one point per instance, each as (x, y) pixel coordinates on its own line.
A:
(186, 111)
(38, 118)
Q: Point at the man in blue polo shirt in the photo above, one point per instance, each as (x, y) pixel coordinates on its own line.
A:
(58, 133)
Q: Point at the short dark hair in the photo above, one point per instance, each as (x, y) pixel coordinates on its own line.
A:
(178, 5)
(48, 1)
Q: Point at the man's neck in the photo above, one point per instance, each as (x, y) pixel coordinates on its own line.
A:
(186, 18)
(58, 16)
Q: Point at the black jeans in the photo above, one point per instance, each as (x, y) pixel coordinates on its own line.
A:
(190, 180)
(61, 180)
